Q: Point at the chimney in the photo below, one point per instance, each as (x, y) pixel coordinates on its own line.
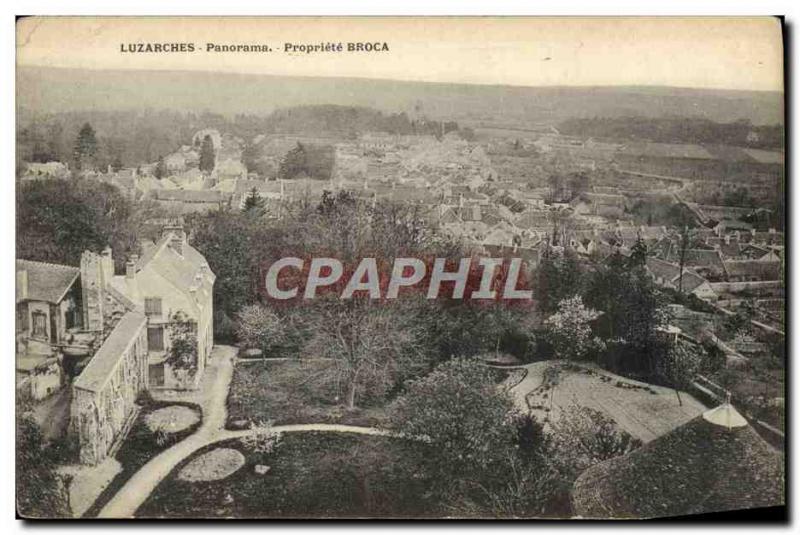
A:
(178, 240)
(93, 284)
(107, 262)
(130, 267)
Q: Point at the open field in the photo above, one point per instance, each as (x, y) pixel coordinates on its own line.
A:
(645, 411)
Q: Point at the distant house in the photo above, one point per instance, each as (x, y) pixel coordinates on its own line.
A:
(753, 270)
(668, 274)
(611, 206)
(729, 225)
(771, 237)
(182, 200)
(35, 170)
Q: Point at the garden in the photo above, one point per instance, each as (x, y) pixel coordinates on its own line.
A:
(309, 474)
(292, 392)
(158, 426)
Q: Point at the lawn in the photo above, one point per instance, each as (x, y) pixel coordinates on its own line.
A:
(311, 475)
(291, 392)
(643, 410)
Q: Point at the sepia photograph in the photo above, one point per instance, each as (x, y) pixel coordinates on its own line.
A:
(400, 268)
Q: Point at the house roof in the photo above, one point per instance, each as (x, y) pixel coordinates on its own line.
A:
(533, 219)
(691, 281)
(191, 196)
(769, 270)
(699, 258)
(729, 248)
(94, 377)
(45, 282)
(661, 269)
(699, 467)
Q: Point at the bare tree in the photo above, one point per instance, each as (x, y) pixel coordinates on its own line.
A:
(371, 344)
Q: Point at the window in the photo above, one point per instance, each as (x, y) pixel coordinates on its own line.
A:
(157, 374)
(39, 325)
(155, 338)
(152, 306)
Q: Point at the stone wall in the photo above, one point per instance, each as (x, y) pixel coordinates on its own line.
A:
(102, 406)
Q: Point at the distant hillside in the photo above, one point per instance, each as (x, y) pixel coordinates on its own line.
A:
(57, 90)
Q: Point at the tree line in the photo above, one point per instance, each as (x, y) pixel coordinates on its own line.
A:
(690, 130)
(134, 138)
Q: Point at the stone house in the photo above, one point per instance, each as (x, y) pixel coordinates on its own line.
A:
(47, 305)
(173, 285)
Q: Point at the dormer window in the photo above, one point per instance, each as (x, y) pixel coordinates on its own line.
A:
(152, 306)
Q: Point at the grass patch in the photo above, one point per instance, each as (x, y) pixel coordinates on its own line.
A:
(291, 392)
(311, 475)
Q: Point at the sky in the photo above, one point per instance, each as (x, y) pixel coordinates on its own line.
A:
(718, 53)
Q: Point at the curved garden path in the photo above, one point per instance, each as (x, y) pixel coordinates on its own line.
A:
(137, 489)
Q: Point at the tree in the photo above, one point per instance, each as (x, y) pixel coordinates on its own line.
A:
(116, 163)
(294, 163)
(230, 242)
(633, 311)
(160, 170)
(457, 423)
(556, 187)
(680, 364)
(558, 277)
(182, 356)
(251, 158)
(569, 329)
(638, 257)
(207, 155)
(578, 183)
(258, 327)
(740, 322)
(254, 204)
(59, 219)
(41, 492)
(372, 347)
(85, 147)
(587, 437)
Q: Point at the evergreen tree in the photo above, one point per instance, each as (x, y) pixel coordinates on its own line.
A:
(116, 163)
(85, 147)
(250, 158)
(207, 156)
(558, 277)
(254, 204)
(294, 163)
(638, 253)
(161, 169)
